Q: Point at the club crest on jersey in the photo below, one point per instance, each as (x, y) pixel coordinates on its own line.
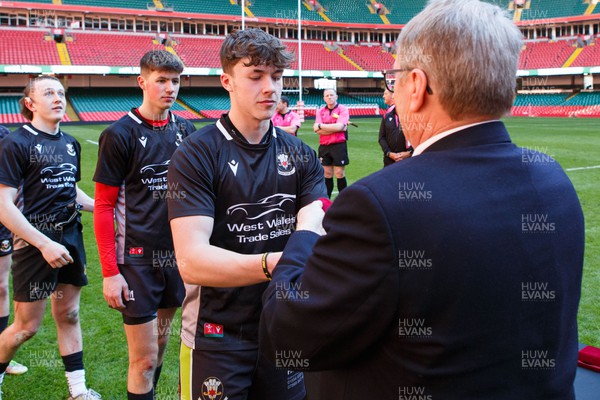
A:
(178, 138)
(212, 389)
(5, 246)
(143, 141)
(284, 167)
(70, 149)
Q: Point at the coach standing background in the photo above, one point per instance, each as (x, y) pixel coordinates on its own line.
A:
(455, 274)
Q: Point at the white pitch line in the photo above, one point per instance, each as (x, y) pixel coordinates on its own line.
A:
(580, 168)
(91, 141)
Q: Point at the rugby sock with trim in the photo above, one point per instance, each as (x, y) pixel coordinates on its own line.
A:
(75, 373)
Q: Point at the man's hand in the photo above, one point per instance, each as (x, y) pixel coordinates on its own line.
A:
(55, 254)
(310, 218)
(115, 289)
(400, 156)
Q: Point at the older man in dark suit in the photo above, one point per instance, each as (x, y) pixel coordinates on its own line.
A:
(455, 274)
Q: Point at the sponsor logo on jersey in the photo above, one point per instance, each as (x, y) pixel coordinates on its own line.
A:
(262, 207)
(234, 166)
(59, 170)
(5, 246)
(136, 252)
(38, 147)
(70, 149)
(213, 330)
(156, 169)
(284, 167)
(143, 141)
(212, 389)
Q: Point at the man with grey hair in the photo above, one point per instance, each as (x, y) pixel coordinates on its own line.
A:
(455, 274)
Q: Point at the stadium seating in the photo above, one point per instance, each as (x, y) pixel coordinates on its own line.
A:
(135, 4)
(544, 9)
(109, 49)
(203, 7)
(589, 57)
(316, 57)
(557, 105)
(208, 102)
(545, 54)
(27, 47)
(198, 52)
(371, 58)
(110, 104)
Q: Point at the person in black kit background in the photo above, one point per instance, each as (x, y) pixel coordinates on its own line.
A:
(391, 139)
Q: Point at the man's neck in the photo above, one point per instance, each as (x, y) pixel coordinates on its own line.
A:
(153, 115)
(46, 127)
(253, 130)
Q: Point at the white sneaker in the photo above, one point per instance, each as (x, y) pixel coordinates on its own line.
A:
(14, 368)
(89, 395)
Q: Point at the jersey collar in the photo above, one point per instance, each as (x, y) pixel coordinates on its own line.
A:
(230, 132)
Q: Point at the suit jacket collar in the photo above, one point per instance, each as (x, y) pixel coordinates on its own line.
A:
(488, 133)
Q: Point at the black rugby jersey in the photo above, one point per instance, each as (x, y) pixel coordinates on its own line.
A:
(253, 192)
(45, 169)
(134, 156)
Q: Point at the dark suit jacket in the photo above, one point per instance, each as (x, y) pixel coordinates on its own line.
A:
(455, 274)
(391, 137)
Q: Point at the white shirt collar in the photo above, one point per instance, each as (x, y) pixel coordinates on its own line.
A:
(421, 148)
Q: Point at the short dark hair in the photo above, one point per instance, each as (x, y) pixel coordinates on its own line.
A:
(284, 99)
(160, 60)
(259, 46)
(26, 112)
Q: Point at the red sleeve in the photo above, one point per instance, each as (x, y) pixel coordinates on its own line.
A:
(104, 227)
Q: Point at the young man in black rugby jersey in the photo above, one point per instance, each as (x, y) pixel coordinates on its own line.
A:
(141, 279)
(236, 187)
(6, 249)
(39, 170)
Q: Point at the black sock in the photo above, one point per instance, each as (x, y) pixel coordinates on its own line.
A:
(3, 323)
(157, 375)
(3, 367)
(145, 396)
(329, 186)
(341, 183)
(73, 362)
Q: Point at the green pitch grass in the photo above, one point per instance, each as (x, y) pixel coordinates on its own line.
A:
(575, 143)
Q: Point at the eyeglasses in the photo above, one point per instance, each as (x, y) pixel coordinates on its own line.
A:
(389, 77)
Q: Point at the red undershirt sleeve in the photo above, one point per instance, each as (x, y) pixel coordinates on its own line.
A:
(104, 227)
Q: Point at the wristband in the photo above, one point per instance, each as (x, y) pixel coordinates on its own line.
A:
(264, 266)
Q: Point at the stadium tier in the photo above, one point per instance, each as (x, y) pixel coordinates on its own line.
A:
(543, 9)
(198, 52)
(110, 104)
(208, 102)
(109, 49)
(589, 56)
(557, 105)
(28, 48)
(316, 57)
(371, 58)
(546, 54)
(137, 4)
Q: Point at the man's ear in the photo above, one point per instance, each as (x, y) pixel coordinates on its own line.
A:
(141, 82)
(29, 103)
(417, 81)
(226, 81)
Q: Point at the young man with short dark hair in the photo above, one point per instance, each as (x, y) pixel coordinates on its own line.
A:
(244, 181)
(141, 278)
